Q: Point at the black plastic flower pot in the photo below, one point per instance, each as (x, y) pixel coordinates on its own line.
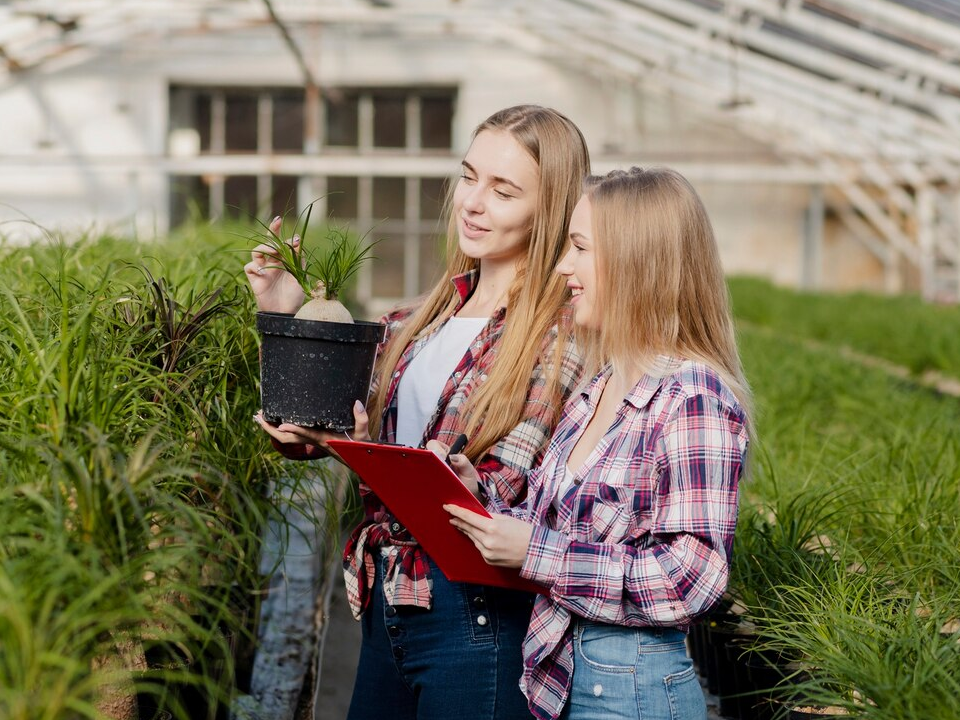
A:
(312, 372)
(720, 627)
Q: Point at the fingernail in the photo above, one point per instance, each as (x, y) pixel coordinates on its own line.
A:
(296, 238)
(256, 419)
(274, 219)
(358, 406)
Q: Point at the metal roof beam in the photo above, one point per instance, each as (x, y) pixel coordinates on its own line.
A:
(892, 55)
(898, 21)
(792, 53)
(770, 76)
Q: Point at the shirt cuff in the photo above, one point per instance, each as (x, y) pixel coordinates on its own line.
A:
(545, 555)
(297, 451)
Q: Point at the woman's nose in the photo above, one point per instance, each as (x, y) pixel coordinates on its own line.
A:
(564, 267)
(473, 200)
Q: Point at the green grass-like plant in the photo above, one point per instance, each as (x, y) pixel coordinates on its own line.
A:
(324, 269)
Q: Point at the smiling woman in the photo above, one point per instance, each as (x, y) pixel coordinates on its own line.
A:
(579, 266)
(434, 648)
(629, 519)
(494, 210)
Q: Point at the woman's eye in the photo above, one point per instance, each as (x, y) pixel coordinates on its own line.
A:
(502, 194)
(464, 176)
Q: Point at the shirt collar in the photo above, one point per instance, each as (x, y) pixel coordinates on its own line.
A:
(465, 285)
(646, 386)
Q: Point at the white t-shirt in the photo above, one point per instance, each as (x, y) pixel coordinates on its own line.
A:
(423, 380)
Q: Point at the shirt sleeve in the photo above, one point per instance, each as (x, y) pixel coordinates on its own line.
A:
(503, 470)
(681, 570)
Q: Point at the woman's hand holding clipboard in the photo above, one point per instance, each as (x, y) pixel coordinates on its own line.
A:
(458, 463)
(416, 485)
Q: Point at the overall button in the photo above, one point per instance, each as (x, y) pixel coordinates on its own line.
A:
(394, 630)
(390, 611)
(398, 652)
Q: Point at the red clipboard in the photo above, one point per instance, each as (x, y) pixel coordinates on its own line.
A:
(415, 484)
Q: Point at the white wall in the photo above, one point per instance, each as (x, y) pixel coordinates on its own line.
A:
(83, 147)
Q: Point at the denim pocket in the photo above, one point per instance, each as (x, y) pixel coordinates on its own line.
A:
(477, 614)
(684, 695)
(607, 648)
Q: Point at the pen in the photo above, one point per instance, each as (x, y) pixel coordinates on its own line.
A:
(459, 444)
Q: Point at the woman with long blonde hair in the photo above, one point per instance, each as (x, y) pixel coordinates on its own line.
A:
(630, 518)
(488, 353)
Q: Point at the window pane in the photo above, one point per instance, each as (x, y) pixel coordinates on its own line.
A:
(189, 199)
(432, 195)
(190, 110)
(203, 114)
(283, 196)
(342, 198)
(342, 117)
(288, 122)
(436, 122)
(389, 198)
(432, 260)
(388, 267)
(389, 121)
(241, 122)
(240, 196)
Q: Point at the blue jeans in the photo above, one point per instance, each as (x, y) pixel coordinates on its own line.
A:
(461, 660)
(623, 672)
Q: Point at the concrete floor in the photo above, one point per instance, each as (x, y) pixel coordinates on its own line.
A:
(338, 666)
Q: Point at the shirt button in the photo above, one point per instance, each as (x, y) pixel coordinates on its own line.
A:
(390, 611)
(457, 374)
(478, 601)
(395, 527)
(481, 620)
(483, 378)
(398, 652)
(577, 481)
(397, 374)
(394, 630)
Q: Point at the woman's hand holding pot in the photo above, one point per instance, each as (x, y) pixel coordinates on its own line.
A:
(289, 434)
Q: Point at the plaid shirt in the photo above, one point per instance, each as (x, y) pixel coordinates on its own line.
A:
(644, 536)
(503, 469)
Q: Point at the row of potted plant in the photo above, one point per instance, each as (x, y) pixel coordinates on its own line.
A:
(845, 590)
(135, 485)
(902, 329)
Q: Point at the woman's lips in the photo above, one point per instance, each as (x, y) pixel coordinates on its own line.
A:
(472, 230)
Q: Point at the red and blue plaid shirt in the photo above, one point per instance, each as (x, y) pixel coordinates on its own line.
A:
(644, 535)
(503, 469)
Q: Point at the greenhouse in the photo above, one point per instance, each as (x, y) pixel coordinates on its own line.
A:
(159, 559)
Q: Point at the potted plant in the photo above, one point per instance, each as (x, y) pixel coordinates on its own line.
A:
(314, 365)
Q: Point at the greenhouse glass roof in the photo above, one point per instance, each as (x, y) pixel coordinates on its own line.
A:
(867, 92)
(852, 80)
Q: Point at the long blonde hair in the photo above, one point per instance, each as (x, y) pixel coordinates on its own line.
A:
(536, 297)
(661, 287)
